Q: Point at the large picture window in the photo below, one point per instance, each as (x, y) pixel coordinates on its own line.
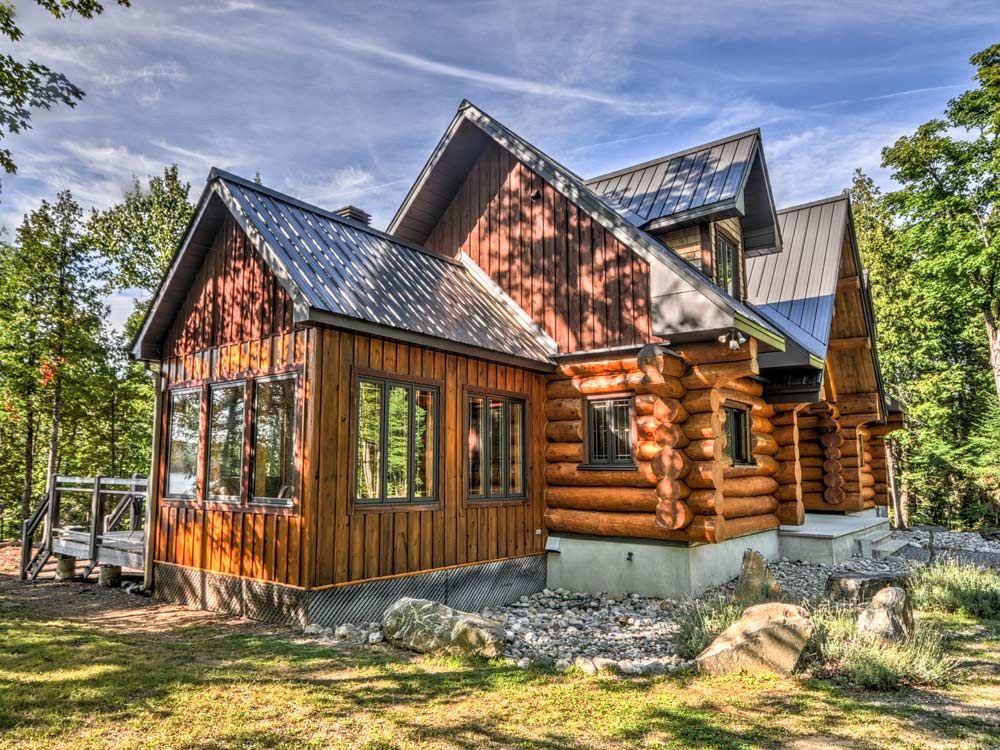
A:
(496, 459)
(727, 261)
(396, 439)
(182, 445)
(274, 440)
(226, 419)
(738, 434)
(609, 432)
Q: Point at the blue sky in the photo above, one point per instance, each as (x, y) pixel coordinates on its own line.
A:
(342, 102)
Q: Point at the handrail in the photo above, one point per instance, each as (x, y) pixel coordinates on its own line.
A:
(28, 529)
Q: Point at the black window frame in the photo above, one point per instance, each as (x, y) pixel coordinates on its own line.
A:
(485, 440)
(206, 441)
(612, 462)
(738, 416)
(385, 380)
(171, 394)
(275, 502)
(726, 247)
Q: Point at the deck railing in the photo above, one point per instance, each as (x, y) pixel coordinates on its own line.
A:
(130, 493)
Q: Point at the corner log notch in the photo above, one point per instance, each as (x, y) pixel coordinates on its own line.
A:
(684, 486)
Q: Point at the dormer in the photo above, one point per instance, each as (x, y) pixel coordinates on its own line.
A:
(711, 204)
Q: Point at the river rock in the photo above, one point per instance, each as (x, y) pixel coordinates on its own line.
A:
(888, 616)
(425, 626)
(858, 588)
(767, 638)
(756, 582)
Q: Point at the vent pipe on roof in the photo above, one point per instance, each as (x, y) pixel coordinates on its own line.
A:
(354, 213)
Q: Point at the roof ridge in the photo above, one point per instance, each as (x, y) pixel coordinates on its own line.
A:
(674, 155)
(220, 174)
(813, 204)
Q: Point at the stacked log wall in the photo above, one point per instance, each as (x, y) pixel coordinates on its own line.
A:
(683, 487)
(789, 477)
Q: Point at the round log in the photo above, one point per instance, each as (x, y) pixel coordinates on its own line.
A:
(655, 360)
(791, 514)
(636, 525)
(701, 450)
(560, 452)
(812, 449)
(670, 434)
(709, 375)
(834, 454)
(748, 486)
(669, 388)
(673, 514)
(670, 462)
(599, 367)
(559, 409)
(705, 475)
(740, 507)
(612, 383)
(570, 431)
(811, 461)
(705, 425)
(867, 493)
(787, 493)
(832, 440)
(712, 351)
(785, 435)
(747, 387)
(762, 425)
(833, 480)
(832, 467)
(812, 473)
(569, 474)
(645, 403)
(695, 402)
(787, 453)
(789, 473)
(669, 410)
(834, 495)
(812, 487)
(736, 527)
(672, 489)
(624, 499)
(762, 466)
(706, 501)
(561, 388)
(647, 450)
(646, 426)
(763, 445)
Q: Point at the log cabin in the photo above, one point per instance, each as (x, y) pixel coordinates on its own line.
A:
(529, 377)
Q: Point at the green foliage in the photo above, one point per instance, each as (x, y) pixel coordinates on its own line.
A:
(28, 85)
(703, 622)
(957, 587)
(837, 651)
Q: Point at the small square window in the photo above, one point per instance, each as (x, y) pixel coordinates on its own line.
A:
(497, 451)
(738, 434)
(609, 432)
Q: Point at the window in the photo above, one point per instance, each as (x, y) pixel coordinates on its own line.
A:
(396, 439)
(497, 447)
(609, 432)
(182, 447)
(738, 434)
(726, 264)
(225, 441)
(274, 440)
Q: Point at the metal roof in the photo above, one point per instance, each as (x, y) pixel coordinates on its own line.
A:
(707, 181)
(685, 302)
(345, 273)
(796, 288)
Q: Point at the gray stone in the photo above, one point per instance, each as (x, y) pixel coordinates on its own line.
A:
(767, 638)
(376, 637)
(110, 576)
(65, 568)
(756, 583)
(425, 626)
(524, 663)
(585, 665)
(603, 664)
(860, 587)
(347, 632)
(888, 616)
(313, 629)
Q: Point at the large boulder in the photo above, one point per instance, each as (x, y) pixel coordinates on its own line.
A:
(767, 638)
(425, 626)
(858, 588)
(756, 583)
(889, 616)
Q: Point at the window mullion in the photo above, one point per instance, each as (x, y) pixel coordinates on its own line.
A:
(383, 467)
(411, 444)
(505, 447)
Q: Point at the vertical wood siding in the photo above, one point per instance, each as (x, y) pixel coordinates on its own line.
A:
(571, 275)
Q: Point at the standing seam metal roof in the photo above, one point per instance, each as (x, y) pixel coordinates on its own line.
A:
(697, 178)
(798, 286)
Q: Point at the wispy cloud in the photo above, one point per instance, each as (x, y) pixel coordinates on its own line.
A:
(891, 95)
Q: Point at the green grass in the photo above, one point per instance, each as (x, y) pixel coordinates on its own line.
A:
(70, 682)
(703, 622)
(958, 587)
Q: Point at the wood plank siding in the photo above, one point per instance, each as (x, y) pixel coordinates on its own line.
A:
(572, 276)
(236, 323)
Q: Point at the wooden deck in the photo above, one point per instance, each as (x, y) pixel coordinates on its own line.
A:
(124, 548)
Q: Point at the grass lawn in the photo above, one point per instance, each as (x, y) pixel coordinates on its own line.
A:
(87, 668)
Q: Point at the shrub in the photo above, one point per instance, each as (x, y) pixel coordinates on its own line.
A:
(837, 651)
(703, 622)
(957, 587)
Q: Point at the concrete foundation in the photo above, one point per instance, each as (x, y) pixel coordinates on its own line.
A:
(670, 570)
(831, 539)
(110, 576)
(65, 568)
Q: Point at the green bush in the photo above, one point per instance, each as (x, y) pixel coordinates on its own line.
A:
(702, 623)
(957, 587)
(837, 651)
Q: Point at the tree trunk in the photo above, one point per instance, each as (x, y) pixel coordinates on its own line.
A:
(897, 502)
(54, 434)
(993, 335)
(29, 461)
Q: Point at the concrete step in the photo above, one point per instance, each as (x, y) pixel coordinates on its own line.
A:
(830, 538)
(865, 545)
(888, 547)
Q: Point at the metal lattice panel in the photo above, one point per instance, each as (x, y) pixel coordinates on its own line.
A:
(271, 603)
(494, 584)
(365, 602)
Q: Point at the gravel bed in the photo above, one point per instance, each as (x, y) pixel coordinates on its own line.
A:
(969, 541)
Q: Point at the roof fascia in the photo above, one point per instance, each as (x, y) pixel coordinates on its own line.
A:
(758, 153)
(713, 211)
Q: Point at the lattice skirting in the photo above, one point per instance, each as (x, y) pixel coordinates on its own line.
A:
(469, 588)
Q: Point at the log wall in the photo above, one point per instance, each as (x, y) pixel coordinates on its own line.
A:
(683, 486)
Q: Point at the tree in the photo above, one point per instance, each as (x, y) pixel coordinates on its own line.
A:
(949, 202)
(28, 85)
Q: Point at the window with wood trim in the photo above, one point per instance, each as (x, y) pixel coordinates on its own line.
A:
(727, 261)
(738, 434)
(396, 441)
(274, 440)
(183, 443)
(609, 432)
(496, 459)
(226, 419)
